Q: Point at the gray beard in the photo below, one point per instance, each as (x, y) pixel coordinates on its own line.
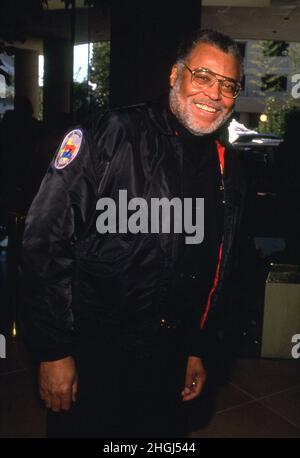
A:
(183, 115)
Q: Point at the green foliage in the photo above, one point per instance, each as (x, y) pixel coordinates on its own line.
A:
(80, 94)
(99, 74)
(265, 78)
(276, 111)
(274, 48)
(40, 103)
(267, 81)
(294, 55)
(88, 95)
(83, 100)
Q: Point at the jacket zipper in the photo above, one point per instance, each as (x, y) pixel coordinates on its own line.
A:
(221, 155)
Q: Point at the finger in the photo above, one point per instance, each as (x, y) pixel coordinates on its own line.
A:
(194, 390)
(200, 382)
(189, 397)
(189, 378)
(192, 394)
(47, 401)
(43, 392)
(66, 400)
(46, 397)
(189, 383)
(188, 393)
(55, 404)
(186, 390)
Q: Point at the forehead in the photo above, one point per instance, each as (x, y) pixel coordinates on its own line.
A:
(208, 56)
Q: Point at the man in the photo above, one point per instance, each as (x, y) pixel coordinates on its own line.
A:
(120, 321)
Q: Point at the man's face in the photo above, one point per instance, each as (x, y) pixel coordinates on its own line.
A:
(202, 110)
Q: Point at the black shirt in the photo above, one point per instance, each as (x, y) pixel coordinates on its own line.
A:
(197, 263)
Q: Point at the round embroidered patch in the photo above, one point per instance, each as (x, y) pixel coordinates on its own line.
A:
(69, 149)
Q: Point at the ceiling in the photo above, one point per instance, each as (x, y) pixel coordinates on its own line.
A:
(280, 21)
(241, 19)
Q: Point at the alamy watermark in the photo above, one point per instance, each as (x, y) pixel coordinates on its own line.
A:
(296, 348)
(2, 346)
(137, 216)
(2, 87)
(296, 88)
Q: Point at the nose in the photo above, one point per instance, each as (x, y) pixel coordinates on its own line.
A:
(213, 91)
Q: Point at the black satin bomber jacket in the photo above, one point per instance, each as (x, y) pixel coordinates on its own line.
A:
(80, 284)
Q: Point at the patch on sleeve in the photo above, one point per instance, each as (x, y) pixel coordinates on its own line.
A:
(69, 149)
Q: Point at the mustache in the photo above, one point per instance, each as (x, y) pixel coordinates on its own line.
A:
(210, 103)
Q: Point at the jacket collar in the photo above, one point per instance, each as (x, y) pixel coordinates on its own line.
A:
(159, 114)
(164, 120)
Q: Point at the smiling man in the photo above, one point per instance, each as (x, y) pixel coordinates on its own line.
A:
(205, 82)
(123, 323)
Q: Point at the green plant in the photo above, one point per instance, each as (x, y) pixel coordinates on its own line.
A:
(99, 73)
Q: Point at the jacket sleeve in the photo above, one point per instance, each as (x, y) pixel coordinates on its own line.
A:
(54, 222)
(199, 341)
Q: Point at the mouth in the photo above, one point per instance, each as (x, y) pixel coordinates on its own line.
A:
(206, 108)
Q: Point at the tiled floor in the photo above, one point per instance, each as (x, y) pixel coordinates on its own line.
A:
(261, 400)
(21, 412)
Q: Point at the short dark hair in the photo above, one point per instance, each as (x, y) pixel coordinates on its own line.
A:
(212, 37)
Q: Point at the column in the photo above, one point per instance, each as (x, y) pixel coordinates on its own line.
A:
(58, 77)
(27, 76)
(144, 39)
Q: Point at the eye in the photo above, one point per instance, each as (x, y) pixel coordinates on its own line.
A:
(229, 87)
(202, 78)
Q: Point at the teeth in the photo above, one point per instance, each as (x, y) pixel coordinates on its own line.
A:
(206, 108)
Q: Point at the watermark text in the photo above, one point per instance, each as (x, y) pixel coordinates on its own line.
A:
(2, 346)
(162, 215)
(296, 348)
(296, 87)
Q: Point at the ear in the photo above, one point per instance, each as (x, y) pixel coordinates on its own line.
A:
(173, 75)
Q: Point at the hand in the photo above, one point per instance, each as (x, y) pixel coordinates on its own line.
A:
(58, 383)
(195, 377)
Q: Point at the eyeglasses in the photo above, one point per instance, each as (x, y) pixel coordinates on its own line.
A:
(203, 77)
